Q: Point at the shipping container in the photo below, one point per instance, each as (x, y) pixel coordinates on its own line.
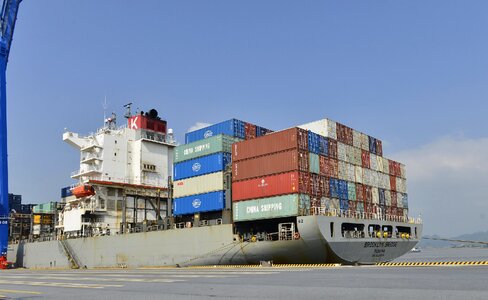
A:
(314, 163)
(373, 162)
(324, 186)
(198, 185)
(356, 139)
(341, 151)
(275, 142)
(213, 201)
(364, 142)
(365, 158)
(372, 145)
(381, 193)
(386, 166)
(215, 144)
(330, 203)
(379, 148)
(201, 166)
(313, 142)
(360, 192)
(375, 197)
(323, 146)
(329, 167)
(343, 191)
(342, 170)
(344, 204)
(403, 171)
(315, 190)
(351, 173)
(232, 127)
(291, 160)
(394, 201)
(260, 131)
(66, 192)
(268, 186)
(358, 174)
(351, 191)
(379, 163)
(388, 197)
(45, 208)
(325, 127)
(368, 194)
(250, 131)
(272, 207)
(393, 183)
(334, 187)
(332, 148)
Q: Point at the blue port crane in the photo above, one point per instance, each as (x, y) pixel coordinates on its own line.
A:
(7, 24)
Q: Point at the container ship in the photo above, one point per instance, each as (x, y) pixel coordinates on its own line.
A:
(233, 193)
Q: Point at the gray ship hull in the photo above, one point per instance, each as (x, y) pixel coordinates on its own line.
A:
(319, 242)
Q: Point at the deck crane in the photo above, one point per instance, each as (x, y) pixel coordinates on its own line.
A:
(7, 24)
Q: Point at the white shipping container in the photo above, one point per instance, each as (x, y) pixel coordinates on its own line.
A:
(373, 162)
(405, 213)
(358, 174)
(330, 203)
(384, 181)
(341, 151)
(364, 142)
(379, 163)
(357, 157)
(349, 154)
(399, 200)
(342, 170)
(388, 197)
(376, 195)
(198, 185)
(351, 173)
(356, 138)
(403, 171)
(324, 127)
(386, 166)
(366, 176)
(401, 185)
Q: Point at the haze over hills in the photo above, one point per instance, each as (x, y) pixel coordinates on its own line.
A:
(481, 236)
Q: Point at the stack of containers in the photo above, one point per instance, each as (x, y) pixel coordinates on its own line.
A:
(361, 179)
(271, 178)
(199, 183)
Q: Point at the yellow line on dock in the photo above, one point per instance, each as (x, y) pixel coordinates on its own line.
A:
(19, 292)
(433, 264)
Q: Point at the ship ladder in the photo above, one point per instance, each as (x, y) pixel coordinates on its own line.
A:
(69, 254)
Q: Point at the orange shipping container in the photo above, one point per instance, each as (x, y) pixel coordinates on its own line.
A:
(281, 162)
(294, 138)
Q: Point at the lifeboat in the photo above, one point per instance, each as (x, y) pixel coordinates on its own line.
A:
(83, 190)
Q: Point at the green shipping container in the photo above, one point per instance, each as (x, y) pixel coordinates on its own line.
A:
(351, 191)
(218, 143)
(272, 207)
(45, 208)
(314, 163)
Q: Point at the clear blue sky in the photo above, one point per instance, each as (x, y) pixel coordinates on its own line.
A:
(408, 72)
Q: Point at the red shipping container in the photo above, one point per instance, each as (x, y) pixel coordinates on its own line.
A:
(349, 136)
(398, 172)
(393, 183)
(315, 185)
(394, 200)
(328, 166)
(352, 205)
(294, 138)
(366, 159)
(359, 192)
(250, 131)
(324, 186)
(368, 194)
(281, 162)
(399, 212)
(332, 148)
(269, 186)
(379, 148)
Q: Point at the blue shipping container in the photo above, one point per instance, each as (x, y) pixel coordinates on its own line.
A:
(323, 146)
(343, 191)
(66, 192)
(260, 131)
(313, 142)
(344, 204)
(334, 187)
(199, 203)
(372, 144)
(382, 196)
(201, 165)
(232, 127)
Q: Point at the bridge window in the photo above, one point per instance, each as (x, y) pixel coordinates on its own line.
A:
(352, 230)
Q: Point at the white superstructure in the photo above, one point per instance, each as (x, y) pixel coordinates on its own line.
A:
(138, 157)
